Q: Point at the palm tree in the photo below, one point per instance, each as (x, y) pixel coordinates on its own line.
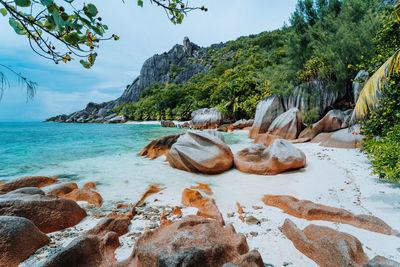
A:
(371, 92)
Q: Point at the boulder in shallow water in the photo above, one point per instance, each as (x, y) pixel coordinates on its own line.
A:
(288, 125)
(30, 181)
(87, 251)
(201, 152)
(268, 109)
(326, 246)
(49, 213)
(279, 157)
(193, 241)
(159, 147)
(207, 118)
(19, 239)
(167, 124)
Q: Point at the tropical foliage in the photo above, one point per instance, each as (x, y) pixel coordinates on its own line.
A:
(326, 40)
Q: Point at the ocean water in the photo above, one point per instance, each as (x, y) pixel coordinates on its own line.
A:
(105, 153)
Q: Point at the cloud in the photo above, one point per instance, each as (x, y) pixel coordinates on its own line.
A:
(144, 32)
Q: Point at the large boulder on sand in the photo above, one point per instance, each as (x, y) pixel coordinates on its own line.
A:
(207, 118)
(30, 181)
(344, 138)
(201, 152)
(267, 111)
(326, 246)
(287, 125)
(87, 251)
(279, 157)
(193, 241)
(19, 239)
(61, 190)
(85, 194)
(49, 213)
(334, 120)
(159, 147)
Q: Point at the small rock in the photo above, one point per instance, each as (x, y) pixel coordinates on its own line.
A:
(254, 234)
(252, 220)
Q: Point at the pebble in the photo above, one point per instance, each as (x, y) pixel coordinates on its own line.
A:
(252, 220)
(287, 263)
(254, 234)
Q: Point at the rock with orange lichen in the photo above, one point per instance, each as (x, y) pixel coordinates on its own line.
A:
(153, 189)
(206, 206)
(201, 152)
(87, 195)
(30, 181)
(91, 185)
(176, 211)
(62, 189)
(164, 222)
(326, 246)
(205, 188)
(159, 147)
(87, 251)
(193, 241)
(240, 209)
(122, 206)
(279, 157)
(117, 225)
(48, 212)
(312, 211)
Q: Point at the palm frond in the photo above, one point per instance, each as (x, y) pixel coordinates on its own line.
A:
(397, 10)
(370, 94)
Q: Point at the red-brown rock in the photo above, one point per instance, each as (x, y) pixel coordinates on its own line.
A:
(49, 213)
(206, 206)
(279, 157)
(312, 211)
(153, 189)
(193, 241)
(170, 124)
(251, 259)
(266, 139)
(201, 152)
(334, 120)
(117, 225)
(344, 139)
(176, 211)
(30, 181)
(226, 128)
(87, 251)
(87, 195)
(325, 246)
(241, 124)
(322, 137)
(159, 147)
(287, 125)
(19, 239)
(91, 185)
(62, 189)
(205, 188)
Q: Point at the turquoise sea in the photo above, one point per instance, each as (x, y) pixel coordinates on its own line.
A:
(30, 148)
(75, 150)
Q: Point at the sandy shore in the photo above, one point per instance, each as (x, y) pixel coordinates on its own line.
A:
(334, 177)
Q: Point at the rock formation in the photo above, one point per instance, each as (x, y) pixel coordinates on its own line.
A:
(193, 241)
(87, 251)
(359, 81)
(207, 118)
(267, 111)
(49, 213)
(287, 125)
(344, 138)
(159, 147)
(201, 152)
(19, 239)
(312, 211)
(31, 181)
(326, 246)
(61, 190)
(118, 225)
(87, 195)
(279, 157)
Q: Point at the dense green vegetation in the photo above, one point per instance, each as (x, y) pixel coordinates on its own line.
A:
(382, 127)
(326, 40)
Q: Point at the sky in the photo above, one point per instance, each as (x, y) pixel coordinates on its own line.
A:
(143, 32)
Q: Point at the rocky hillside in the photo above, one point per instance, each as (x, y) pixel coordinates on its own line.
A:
(177, 66)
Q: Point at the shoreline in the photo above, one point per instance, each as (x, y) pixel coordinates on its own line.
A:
(335, 177)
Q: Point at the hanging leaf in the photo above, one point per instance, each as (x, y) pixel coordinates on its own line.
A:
(3, 11)
(23, 3)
